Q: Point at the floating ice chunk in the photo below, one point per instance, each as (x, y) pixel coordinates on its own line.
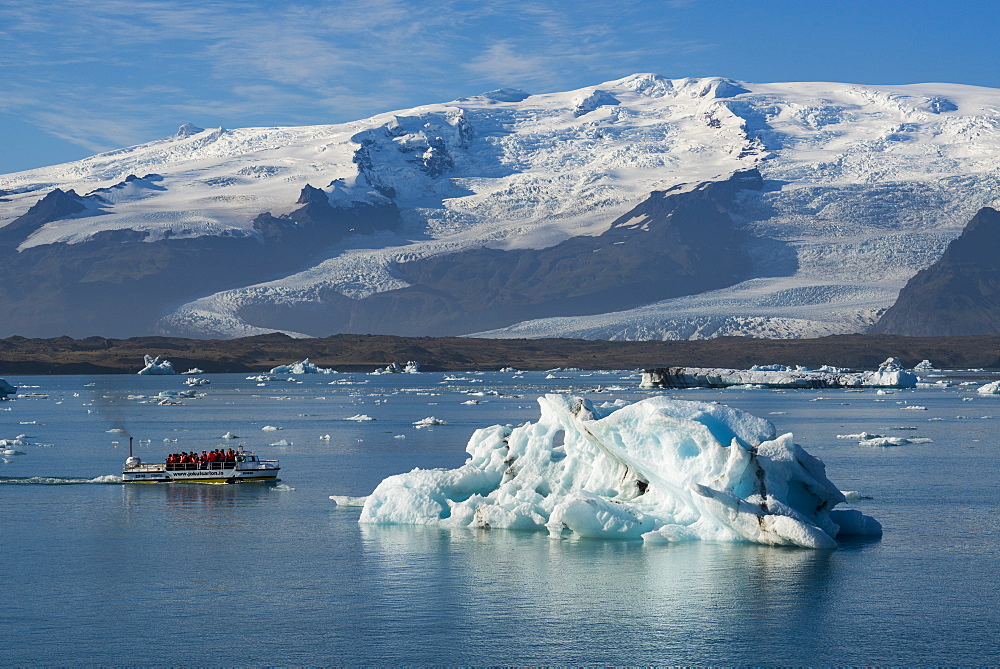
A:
(359, 417)
(230, 435)
(324, 437)
(923, 366)
(914, 407)
(508, 369)
(885, 441)
(281, 442)
(990, 389)
(270, 428)
(194, 370)
(430, 420)
(400, 436)
(196, 381)
(698, 377)
(854, 495)
(156, 365)
(116, 430)
(303, 367)
(658, 470)
(471, 402)
(860, 436)
(344, 500)
(411, 367)
(261, 378)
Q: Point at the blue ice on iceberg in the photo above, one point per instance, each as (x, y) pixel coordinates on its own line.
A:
(659, 470)
(6, 389)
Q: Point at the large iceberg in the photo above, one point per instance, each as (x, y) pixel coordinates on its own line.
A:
(659, 470)
(156, 365)
(890, 374)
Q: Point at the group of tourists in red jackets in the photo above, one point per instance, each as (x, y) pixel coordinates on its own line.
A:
(217, 455)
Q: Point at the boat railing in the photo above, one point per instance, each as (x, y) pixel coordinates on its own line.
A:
(199, 466)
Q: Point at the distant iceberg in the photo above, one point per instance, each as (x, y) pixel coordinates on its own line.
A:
(304, 367)
(659, 470)
(156, 365)
(992, 388)
(890, 374)
(410, 367)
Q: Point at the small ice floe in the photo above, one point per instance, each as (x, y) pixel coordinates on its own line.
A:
(281, 442)
(553, 376)
(230, 435)
(400, 436)
(344, 500)
(282, 487)
(115, 430)
(990, 389)
(270, 428)
(854, 495)
(968, 399)
(508, 370)
(360, 417)
(427, 422)
(196, 381)
(324, 437)
(167, 402)
(914, 407)
(194, 370)
(261, 378)
(156, 365)
(860, 436)
(471, 402)
(894, 441)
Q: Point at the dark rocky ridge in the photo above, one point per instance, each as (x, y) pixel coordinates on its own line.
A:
(120, 284)
(671, 244)
(94, 355)
(957, 295)
(55, 205)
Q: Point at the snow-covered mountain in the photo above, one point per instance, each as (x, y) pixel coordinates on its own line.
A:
(640, 208)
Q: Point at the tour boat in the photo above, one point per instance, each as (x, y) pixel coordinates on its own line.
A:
(246, 467)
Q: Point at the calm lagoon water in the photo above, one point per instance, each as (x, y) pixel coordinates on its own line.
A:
(96, 572)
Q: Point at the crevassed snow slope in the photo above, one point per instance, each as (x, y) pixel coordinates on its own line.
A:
(867, 186)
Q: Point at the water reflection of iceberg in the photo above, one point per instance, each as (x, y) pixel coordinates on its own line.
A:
(658, 470)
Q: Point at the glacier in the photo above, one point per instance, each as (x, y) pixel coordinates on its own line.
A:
(865, 185)
(657, 470)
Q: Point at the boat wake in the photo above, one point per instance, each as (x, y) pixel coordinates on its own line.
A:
(57, 480)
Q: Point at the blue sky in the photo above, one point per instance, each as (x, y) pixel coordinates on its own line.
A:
(82, 76)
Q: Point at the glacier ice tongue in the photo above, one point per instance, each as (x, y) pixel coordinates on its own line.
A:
(657, 470)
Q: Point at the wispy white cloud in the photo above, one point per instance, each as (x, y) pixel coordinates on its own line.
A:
(108, 72)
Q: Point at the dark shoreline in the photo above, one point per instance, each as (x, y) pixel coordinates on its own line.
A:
(363, 353)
